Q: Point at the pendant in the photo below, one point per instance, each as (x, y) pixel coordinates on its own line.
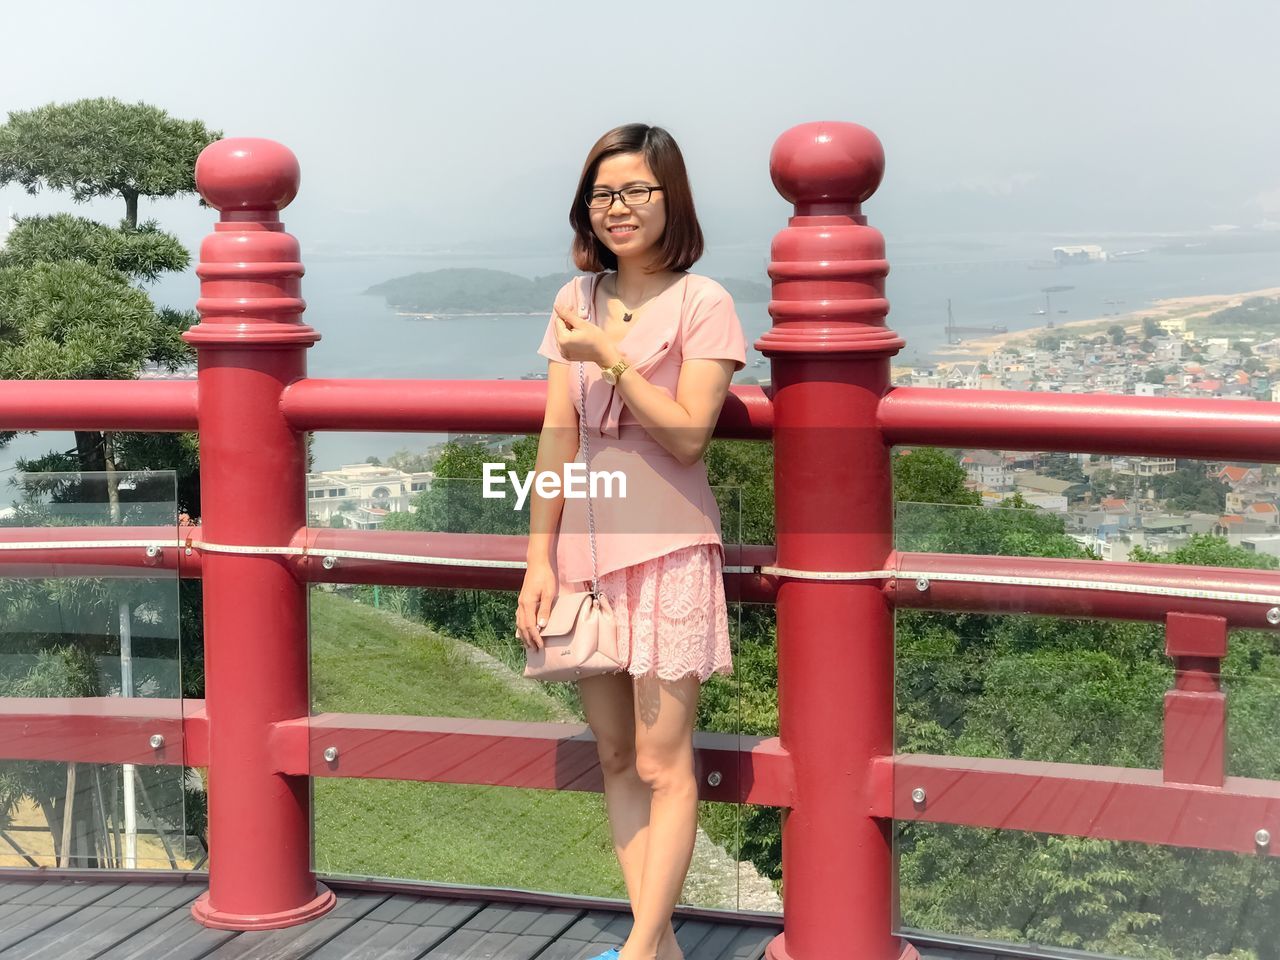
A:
(626, 318)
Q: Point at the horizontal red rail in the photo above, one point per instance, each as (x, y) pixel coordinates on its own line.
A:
(1082, 422)
(470, 406)
(1112, 803)
(548, 756)
(1107, 803)
(163, 406)
(1063, 600)
(104, 730)
(991, 584)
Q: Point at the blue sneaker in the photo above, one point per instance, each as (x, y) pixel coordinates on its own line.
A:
(610, 954)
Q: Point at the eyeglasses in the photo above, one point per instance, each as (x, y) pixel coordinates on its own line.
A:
(632, 196)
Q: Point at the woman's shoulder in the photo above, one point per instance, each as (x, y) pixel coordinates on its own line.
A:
(703, 289)
(570, 290)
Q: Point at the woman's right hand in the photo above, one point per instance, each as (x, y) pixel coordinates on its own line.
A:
(534, 606)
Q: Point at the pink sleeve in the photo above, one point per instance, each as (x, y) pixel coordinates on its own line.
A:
(549, 349)
(714, 332)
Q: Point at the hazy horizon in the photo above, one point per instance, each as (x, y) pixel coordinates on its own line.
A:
(464, 128)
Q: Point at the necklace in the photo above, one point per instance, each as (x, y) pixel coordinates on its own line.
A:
(626, 314)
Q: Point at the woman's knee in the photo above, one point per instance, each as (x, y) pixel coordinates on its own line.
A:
(665, 769)
(616, 757)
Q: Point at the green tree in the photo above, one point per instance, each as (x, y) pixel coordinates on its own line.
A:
(138, 253)
(930, 475)
(1190, 489)
(102, 147)
(98, 147)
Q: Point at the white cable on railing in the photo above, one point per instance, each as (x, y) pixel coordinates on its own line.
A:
(922, 577)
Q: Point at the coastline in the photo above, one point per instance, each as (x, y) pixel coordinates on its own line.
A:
(1185, 308)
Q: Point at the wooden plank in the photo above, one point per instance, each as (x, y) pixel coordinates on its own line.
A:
(52, 892)
(713, 945)
(296, 942)
(402, 927)
(506, 931)
(382, 941)
(691, 933)
(953, 953)
(747, 943)
(592, 933)
(88, 933)
(21, 919)
(175, 936)
(438, 911)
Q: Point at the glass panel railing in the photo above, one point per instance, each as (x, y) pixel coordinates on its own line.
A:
(452, 652)
(91, 634)
(1004, 844)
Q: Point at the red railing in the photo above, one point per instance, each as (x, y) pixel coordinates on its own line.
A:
(833, 575)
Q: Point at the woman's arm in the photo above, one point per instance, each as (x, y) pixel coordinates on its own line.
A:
(557, 445)
(684, 425)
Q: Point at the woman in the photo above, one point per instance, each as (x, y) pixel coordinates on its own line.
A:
(659, 347)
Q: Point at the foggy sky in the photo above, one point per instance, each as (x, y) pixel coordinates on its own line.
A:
(441, 125)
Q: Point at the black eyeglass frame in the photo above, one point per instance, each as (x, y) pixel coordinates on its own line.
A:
(586, 197)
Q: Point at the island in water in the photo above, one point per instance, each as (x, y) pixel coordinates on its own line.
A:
(475, 290)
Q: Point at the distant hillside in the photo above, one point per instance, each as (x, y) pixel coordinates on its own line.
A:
(460, 290)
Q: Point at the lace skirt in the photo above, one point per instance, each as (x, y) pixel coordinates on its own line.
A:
(672, 617)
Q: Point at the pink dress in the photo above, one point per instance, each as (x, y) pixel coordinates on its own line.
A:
(660, 558)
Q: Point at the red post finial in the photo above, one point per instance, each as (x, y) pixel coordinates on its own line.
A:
(829, 164)
(247, 174)
(827, 265)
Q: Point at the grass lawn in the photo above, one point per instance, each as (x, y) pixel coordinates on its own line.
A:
(368, 661)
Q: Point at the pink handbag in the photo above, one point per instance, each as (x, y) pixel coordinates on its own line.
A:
(581, 635)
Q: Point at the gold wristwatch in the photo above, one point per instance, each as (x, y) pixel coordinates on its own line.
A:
(610, 374)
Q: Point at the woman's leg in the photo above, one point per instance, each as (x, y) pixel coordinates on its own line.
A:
(607, 702)
(665, 713)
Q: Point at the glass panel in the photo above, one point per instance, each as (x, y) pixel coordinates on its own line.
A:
(92, 633)
(452, 652)
(1000, 680)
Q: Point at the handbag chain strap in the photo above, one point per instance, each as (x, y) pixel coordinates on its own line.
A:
(586, 455)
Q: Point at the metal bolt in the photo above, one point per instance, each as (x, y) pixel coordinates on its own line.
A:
(922, 584)
(330, 754)
(153, 551)
(713, 778)
(329, 562)
(156, 741)
(188, 551)
(1273, 615)
(918, 795)
(1262, 838)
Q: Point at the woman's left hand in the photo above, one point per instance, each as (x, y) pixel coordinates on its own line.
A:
(579, 339)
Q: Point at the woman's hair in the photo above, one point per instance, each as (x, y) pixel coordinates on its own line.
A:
(681, 241)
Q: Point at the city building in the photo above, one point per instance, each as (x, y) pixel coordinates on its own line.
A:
(362, 494)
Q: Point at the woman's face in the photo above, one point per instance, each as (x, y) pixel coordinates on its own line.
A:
(649, 219)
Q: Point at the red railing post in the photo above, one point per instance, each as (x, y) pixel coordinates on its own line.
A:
(1195, 710)
(830, 352)
(252, 343)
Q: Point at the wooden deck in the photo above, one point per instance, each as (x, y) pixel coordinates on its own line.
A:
(91, 918)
